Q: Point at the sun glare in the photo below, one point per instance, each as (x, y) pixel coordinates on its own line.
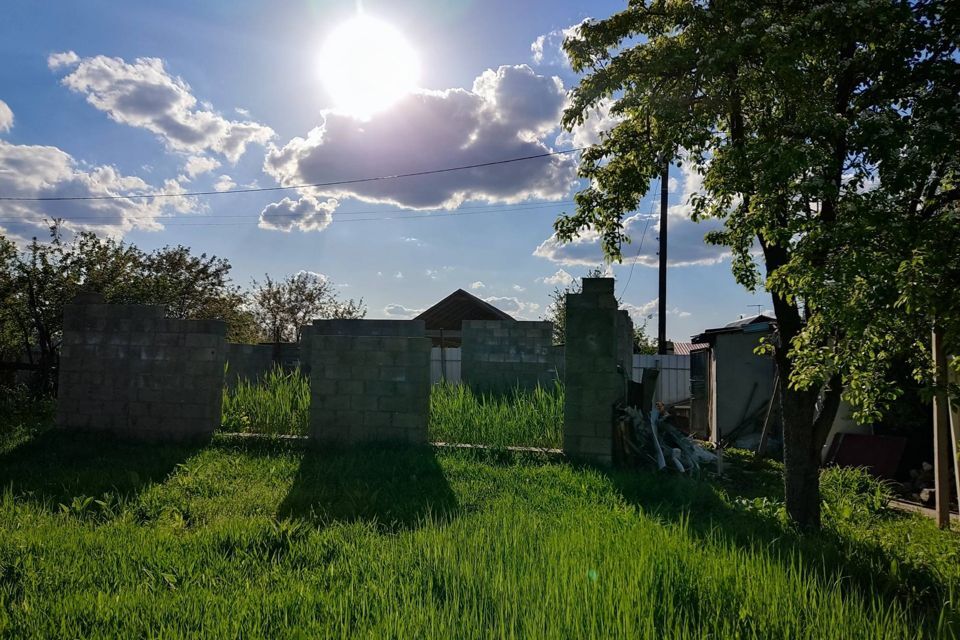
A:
(367, 65)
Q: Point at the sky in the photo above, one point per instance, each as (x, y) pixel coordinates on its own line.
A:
(105, 98)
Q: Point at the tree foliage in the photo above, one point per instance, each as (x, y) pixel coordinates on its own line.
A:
(38, 281)
(826, 136)
(283, 307)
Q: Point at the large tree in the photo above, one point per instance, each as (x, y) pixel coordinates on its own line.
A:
(820, 129)
(36, 283)
(283, 307)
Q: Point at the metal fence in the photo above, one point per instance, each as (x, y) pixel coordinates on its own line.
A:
(673, 385)
(445, 364)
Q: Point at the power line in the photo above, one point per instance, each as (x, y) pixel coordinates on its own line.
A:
(187, 194)
(623, 291)
(483, 208)
(335, 220)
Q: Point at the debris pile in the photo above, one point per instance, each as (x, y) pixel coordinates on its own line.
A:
(648, 437)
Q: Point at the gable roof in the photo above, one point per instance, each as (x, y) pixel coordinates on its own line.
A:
(450, 312)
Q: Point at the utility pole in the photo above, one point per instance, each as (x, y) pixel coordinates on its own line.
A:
(662, 321)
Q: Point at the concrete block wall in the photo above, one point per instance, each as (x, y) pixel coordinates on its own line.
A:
(369, 388)
(501, 355)
(248, 362)
(129, 371)
(253, 361)
(599, 341)
(408, 328)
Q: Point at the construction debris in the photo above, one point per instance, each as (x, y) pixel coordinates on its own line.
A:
(650, 438)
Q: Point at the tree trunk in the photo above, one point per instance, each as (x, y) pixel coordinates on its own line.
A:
(801, 458)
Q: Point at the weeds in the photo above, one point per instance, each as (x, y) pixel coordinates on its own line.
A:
(520, 418)
(279, 403)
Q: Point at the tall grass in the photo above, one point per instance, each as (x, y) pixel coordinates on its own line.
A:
(278, 403)
(520, 418)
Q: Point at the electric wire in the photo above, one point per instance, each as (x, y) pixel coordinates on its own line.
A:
(334, 183)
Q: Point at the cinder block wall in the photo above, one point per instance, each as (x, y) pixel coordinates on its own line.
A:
(129, 371)
(408, 328)
(598, 341)
(369, 388)
(500, 355)
(248, 362)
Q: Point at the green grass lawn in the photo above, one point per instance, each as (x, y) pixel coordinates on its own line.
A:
(271, 539)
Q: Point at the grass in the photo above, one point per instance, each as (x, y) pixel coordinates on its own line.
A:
(271, 539)
(520, 418)
(22, 415)
(279, 403)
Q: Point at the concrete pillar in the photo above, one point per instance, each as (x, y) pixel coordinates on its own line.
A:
(598, 354)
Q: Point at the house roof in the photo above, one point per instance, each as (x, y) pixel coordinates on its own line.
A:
(747, 325)
(683, 348)
(742, 322)
(450, 312)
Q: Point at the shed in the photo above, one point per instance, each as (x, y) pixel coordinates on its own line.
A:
(731, 385)
(443, 320)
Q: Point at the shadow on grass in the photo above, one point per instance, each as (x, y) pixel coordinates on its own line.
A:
(53, 467)
(866, 568)
(393, 488)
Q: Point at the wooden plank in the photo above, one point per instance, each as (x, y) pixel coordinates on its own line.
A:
(955, 424)
(941, 431)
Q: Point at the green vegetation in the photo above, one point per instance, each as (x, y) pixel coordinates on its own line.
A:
(22, 415)
(520, 418)
(279, 403)
(269, 539)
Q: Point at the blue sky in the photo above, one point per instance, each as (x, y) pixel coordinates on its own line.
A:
(107, 98)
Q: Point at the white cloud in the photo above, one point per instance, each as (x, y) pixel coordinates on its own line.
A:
(518, 288)
(433, 274)
(196, 165)
(641, 313)
(514, 306)
(599, 122)
(225, 183)
(35, 171)
(505, 116)
(686, 246)
(560, 279)
(398, 275)
(242, 112)
(547, 49)
(477, 285)
(6, 117)
(400, 311)
(63, 59)
(142, 94)
(306, 214)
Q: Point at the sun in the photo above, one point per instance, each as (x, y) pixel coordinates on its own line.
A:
(366, 65)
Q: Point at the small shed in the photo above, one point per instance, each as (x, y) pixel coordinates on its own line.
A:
(730, 385)
(444, 320)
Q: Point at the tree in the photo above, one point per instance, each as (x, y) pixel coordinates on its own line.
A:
(37, 282)
(557, 309)
(813, 125)
(283, 308)
(643, 343)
